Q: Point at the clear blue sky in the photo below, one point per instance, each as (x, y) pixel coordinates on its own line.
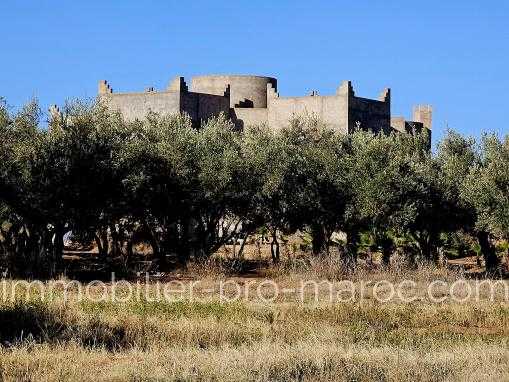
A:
(451, 54)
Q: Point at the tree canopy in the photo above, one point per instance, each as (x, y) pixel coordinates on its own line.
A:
(189, 191)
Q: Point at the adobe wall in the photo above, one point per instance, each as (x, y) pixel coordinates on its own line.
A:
(175, 99)
(422, 120)
(331, 110)
(410, 127)
(245, 91)
(369, 114)
(423, 114)
(244, 117)
(201, 107)
(253, 100)
(398, 124)
(137, 105)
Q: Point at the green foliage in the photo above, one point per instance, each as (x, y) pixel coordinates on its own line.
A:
(486, 186)
(188, 192)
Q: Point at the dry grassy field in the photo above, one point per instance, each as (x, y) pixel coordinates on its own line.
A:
(215, 333)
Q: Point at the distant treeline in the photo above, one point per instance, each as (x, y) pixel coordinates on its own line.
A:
(187, 192)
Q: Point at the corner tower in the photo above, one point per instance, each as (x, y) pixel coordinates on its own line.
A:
(423, 114)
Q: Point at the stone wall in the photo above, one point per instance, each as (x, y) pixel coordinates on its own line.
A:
(343, 112)
(254, 100)
(176, 99)
(369, 114)
(137, 105)
(398, 124)
(245, 91)
(422, 120)
(331, 110)
(244, 117)
(423, 114)
(201, 107)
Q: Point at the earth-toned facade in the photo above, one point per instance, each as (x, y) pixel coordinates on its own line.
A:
(253, 100)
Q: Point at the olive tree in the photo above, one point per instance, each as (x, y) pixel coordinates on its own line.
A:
(486, 188)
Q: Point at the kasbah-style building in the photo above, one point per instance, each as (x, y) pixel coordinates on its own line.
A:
(254, 100)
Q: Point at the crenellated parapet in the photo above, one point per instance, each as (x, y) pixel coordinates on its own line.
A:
(54, 112)
(423, 114)
(245, 91)
(254, 100)
(271, 91)
(421, 121)
(177, 85)
(104, 87)
(345, 89)
(385, 95)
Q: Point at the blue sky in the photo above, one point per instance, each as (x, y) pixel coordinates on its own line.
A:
(451, 54)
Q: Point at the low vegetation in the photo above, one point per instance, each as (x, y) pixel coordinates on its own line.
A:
(93, 195)
(185, 193)
(205, 338)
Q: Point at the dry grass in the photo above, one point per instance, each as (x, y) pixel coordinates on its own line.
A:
(265, 361)
(286, 340)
